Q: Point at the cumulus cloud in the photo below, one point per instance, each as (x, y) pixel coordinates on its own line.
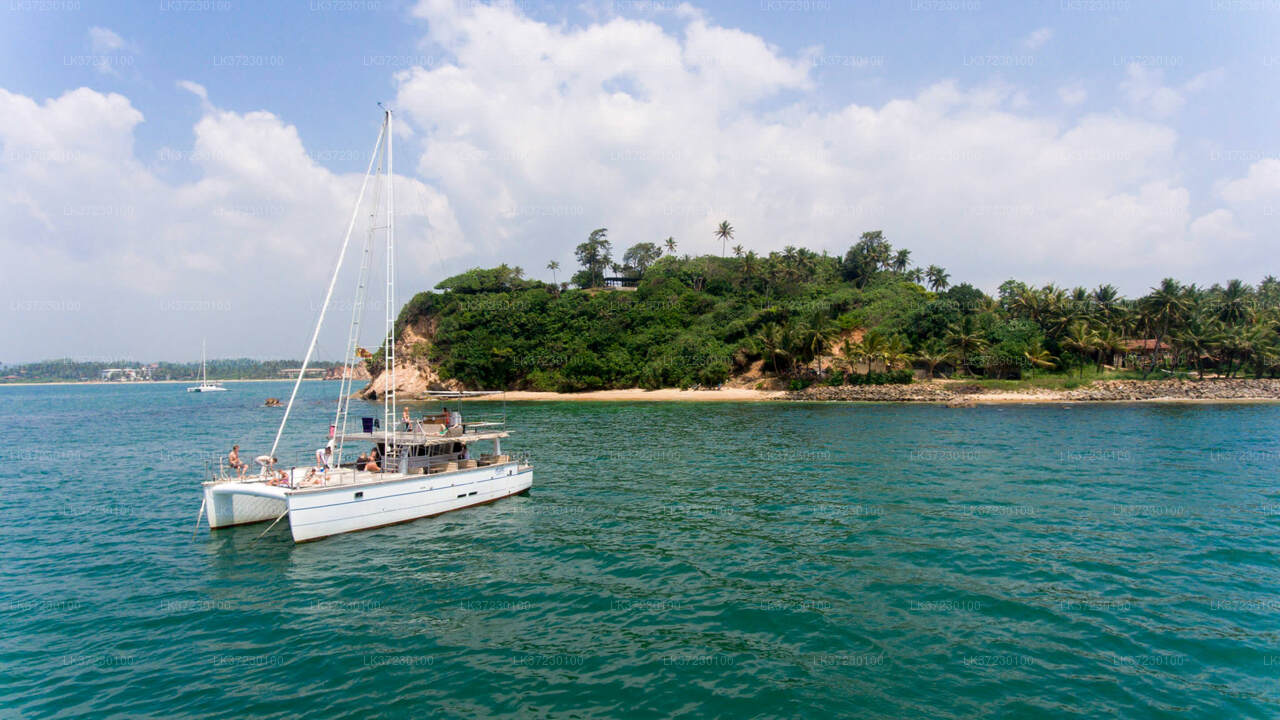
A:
(130, 264)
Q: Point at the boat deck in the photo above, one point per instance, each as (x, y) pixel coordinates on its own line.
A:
(346, 477)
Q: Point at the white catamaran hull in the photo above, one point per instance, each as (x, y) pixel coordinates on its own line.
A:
(323, 511)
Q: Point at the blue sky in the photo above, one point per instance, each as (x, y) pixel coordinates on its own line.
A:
(1162, 114)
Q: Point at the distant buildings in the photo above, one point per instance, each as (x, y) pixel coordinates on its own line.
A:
(138, 374)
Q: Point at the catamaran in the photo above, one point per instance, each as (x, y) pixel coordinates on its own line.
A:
(412, 470)
(205, 385)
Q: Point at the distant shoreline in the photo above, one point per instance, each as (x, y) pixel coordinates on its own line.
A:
(196, 381)
(920, 393)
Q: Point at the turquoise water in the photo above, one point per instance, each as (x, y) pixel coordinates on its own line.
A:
(730, 560)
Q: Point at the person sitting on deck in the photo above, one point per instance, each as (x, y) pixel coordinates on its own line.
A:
(404, 415)
(281, 476)
(372, 465)
(362, 460)
(233, 459)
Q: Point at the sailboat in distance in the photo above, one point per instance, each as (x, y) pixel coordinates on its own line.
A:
(413, 468)
(205, 385)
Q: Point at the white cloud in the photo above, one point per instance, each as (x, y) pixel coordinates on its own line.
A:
(105, 40)
(1037, 38)
(1146, 92)
(194, 88)
(111, 53)
(241, 253)
(1073, 94)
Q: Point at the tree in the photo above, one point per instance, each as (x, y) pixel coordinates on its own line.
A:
(640, 256)
(594, 256)
(1039, 357)
(875, 346)
(902, 261)
(1161, 311)
(737, 251)
(938, 278)
(852, 353)
(895, 354)
(771, 343)
(1235, 306)
(867, 257)
(964, 340)
(553, 266)
(1082, 341)
(725, 233)
(932, 356)
(817, 335)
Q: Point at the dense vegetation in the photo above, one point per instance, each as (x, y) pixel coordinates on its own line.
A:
(67, 370)
(867, 317)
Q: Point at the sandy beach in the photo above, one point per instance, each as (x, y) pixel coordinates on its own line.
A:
(663, 395)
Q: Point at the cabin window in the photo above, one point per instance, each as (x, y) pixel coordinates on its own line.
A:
(359, 494)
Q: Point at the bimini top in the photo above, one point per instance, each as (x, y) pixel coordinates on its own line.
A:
(418, 437)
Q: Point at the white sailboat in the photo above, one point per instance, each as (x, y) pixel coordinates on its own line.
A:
(416, 469)
(205, 385)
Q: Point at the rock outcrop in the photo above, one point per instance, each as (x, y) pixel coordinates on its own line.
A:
(414, 375)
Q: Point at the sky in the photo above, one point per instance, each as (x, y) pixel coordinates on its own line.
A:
(174, 170)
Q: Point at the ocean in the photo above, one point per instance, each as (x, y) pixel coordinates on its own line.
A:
(750, 560)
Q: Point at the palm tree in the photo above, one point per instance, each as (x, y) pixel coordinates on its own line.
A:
(816, 336)
(771, 342)
(1081, 340)
(939, 279)
(737, 251)
(670, 244)
(902, 261)
(1105, 299)
(725, 233)
(895, 354)
(1235, 307)
(1109, 342)
(875, 346)
(1039, 357)
(964, 339)
(748, 262)
(553, 266)
(1196, 341)
(1161, 312)
(852, 353)
(932, 356)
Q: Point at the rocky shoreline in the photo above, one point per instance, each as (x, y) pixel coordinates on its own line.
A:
(961, 394)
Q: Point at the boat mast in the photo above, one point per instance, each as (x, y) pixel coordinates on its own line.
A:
(357, 314)
(204, 374)
(333, 281)
(389, 357)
